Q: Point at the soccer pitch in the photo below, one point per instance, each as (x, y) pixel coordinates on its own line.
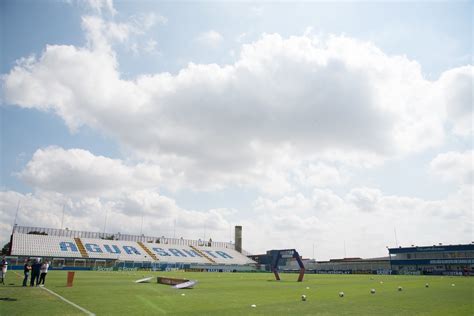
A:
(115, 293)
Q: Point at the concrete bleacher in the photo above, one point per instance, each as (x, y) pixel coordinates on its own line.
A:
(221, 255)
(115, 249)
(40, 245)
(176, 253)
(95, 248)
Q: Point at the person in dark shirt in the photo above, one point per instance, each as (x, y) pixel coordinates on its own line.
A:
(26, 271)
(35, 273)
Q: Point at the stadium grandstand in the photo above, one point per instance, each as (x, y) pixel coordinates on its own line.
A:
(70, 249)
(437, 259)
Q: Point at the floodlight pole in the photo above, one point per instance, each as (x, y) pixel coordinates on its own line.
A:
(105, 220)
(62, 217)
(16, 213)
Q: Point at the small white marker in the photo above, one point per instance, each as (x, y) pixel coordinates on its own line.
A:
(253, 305)
(182, 294)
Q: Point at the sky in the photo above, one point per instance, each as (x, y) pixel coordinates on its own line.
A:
(338, 129)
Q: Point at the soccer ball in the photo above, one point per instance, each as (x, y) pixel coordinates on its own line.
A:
(400, 288)
(341, 294)
(427, 285)
(372, 291)
(253, 305)
(303, 297)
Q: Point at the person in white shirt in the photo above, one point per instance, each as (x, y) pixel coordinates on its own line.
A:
(44, 271)
(3, 272)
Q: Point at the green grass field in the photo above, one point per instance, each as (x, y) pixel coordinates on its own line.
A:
(115, 293)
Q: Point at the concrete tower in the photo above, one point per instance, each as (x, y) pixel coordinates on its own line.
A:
(238, 238)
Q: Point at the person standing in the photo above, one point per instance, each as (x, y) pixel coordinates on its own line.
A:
(35, 272)
(44, 271)
(26, 271)
(3, 272)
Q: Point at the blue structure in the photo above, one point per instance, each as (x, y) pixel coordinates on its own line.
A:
(440, 260)
(285, 254)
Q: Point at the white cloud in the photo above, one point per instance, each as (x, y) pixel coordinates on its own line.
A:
(102, 5)
(150, 46)
(143, 22)
(300, 98)
(320, 175)
(328, 221)
(458, 87)
(241, 37)
(454, 166)
(102, 34)
(365, 199)
(93, 187)
(210, 38)
(79, 172)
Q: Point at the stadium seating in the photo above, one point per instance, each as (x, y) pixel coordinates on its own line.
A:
(115, 249)
(93, 248)
(226, 255)
(44, 246)
(175, 253)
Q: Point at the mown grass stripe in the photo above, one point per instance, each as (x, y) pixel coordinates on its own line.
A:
(69, 302)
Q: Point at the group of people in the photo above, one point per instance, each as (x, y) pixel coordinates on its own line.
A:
(38, 271)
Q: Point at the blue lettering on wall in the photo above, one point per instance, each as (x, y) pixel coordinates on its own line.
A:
(176, 252)
(209, 253)
(93, 248)
(64, 245)
(114, 250)
(161, 252)
(224, 255)
(131, 250)
(192, 253)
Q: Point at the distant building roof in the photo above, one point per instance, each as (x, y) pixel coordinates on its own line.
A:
(356, 259)
(434, 248)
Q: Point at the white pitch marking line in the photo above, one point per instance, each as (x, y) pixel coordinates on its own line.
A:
(69, 302)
